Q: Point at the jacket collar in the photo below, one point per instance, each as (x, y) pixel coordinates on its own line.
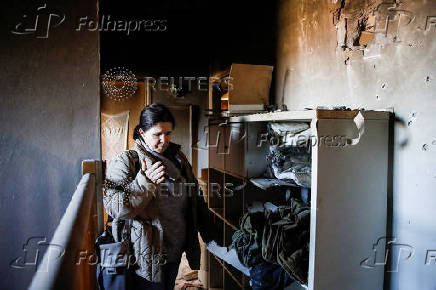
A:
(172, 150)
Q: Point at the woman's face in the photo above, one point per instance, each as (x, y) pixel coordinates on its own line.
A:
(158, 137)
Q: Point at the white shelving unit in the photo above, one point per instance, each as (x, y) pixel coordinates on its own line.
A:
(348, 192)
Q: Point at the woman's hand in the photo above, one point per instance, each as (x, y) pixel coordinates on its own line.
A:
(155, 173)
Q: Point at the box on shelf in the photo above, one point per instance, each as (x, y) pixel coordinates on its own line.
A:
(249, 87)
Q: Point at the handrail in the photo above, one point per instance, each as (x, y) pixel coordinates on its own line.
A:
(69, 262)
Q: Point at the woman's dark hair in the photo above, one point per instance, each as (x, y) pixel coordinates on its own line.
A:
(150, 116)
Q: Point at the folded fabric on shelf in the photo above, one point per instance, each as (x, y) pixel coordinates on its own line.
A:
(285, 239)
(267, 276)
(228, 255)
(248, 240)
(247, 247)
(278, 235)
(289, 133)
(271, 183)
(290, 163)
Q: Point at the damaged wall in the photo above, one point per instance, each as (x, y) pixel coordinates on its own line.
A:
(374, 55)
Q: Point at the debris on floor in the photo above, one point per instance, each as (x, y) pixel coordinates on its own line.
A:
(187, 279)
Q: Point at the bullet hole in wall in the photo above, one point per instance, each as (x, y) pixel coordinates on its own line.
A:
(424, 147)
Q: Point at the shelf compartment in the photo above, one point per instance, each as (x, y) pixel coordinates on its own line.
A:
(234, 273)
(218, 224)
(216, 189)
(239, 280)
(215, 273)
(253, 193)
(234, 159)
(217, 146)
(218, 212)
(230, 283)
(234, 199)
(238, 277)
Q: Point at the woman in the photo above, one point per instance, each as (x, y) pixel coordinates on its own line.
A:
(158, 192)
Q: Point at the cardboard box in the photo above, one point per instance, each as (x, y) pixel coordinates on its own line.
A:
(249, 87)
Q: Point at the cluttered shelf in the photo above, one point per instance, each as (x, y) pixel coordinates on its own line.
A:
(270, 172)
(239, 250)
(239, 182)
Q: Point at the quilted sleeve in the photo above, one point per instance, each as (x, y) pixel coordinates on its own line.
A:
(126, 192)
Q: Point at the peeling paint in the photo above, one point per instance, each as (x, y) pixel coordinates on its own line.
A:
(358, 23)
(354, 20)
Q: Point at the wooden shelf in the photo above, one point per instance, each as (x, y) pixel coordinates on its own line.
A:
(230, 270)
(240, 283)
(219, 212)
(233, 224)
(231, 173)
